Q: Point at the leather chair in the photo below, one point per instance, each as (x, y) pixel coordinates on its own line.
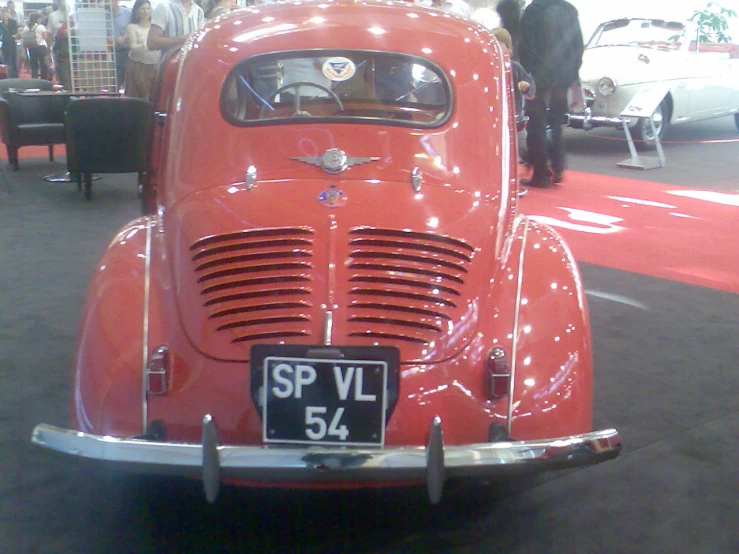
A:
(27, 120)
(107, 135)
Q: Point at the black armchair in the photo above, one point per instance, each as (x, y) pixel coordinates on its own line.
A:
(107, 135)
(27, 120)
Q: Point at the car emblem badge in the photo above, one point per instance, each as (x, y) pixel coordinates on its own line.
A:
(339, 69)
(332, 198)
(333, 160)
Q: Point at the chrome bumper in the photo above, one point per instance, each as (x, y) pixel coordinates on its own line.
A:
(433, 464)
(587, 121)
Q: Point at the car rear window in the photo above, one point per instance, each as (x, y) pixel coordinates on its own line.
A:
(336, 86)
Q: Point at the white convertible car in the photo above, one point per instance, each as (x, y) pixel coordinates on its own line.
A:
(695, 80)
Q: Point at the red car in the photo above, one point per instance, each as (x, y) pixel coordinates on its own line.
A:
(335, 287)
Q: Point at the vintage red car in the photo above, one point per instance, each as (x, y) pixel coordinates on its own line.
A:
(335, 287)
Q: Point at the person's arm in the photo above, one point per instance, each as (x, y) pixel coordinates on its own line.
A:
(45, 36)
(159, 19)
(157, 41)
(578, 41)
(137, 47)
(525, 82)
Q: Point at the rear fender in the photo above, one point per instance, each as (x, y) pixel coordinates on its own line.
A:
(106, 385)
(551, 362)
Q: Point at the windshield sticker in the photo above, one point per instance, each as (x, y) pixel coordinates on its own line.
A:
(339, 69)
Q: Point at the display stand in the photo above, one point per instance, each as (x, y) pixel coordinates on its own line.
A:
(643, 106)
(91, 57)
(642, 162)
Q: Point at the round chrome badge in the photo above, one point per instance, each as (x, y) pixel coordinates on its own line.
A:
(334, 160)
(332, 198)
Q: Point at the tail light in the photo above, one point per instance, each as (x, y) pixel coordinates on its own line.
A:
(157, 371)
(499, 371)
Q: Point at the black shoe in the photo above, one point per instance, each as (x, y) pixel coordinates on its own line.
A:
(537, 182)
(557, 176)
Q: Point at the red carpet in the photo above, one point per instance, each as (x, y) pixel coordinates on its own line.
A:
(28, 152)
(677, 233)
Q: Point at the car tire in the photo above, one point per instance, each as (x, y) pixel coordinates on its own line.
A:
(736, 120)
(642, 131)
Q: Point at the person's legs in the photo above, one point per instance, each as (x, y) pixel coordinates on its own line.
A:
(11, 60)
(34, 54)
(23, 58)
(63, 74)
(536, 138)
(121, 65)
(44, 68)
(555, 119)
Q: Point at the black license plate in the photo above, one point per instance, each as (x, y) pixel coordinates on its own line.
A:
(324, 395)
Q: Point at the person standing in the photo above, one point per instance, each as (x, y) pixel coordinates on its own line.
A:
(172, 23)
(524, 86)
(551, 49)
(509, 12)
(14, 15)
(60, 53)
(56, 18)
(37, 52)
(121, 19)
(54, 22)
(143, 63)
(220, 7)
(8, 34)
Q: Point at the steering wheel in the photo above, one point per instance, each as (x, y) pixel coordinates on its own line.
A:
(297, 86)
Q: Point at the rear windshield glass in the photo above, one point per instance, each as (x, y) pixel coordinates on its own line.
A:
(337, 86)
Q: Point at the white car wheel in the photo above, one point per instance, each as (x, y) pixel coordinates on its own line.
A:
(642, 131)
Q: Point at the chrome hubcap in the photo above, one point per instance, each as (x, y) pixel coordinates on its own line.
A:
(657, 118)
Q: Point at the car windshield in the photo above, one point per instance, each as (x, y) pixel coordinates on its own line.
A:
(649, 33)
(340, 86)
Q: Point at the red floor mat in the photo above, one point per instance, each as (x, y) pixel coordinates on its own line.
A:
(28, 152)
(677, 233)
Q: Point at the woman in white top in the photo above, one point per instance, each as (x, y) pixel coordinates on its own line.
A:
(37, 53)
(142, 64)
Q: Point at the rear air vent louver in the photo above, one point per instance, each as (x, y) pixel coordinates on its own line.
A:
(404, 285)
(256, 284)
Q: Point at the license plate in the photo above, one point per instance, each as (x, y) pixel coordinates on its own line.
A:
(338, 397)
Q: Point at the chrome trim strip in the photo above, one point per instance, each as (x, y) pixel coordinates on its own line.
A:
(310, 464)
(514, 342)
(507, 143)
(328, 326)
(145, 333)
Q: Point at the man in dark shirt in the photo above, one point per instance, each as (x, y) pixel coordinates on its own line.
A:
(8, 34)
(551, 50)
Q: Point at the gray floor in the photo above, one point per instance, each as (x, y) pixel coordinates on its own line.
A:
(666, 377)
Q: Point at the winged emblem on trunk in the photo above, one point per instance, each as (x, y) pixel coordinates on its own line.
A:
(333, 160)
